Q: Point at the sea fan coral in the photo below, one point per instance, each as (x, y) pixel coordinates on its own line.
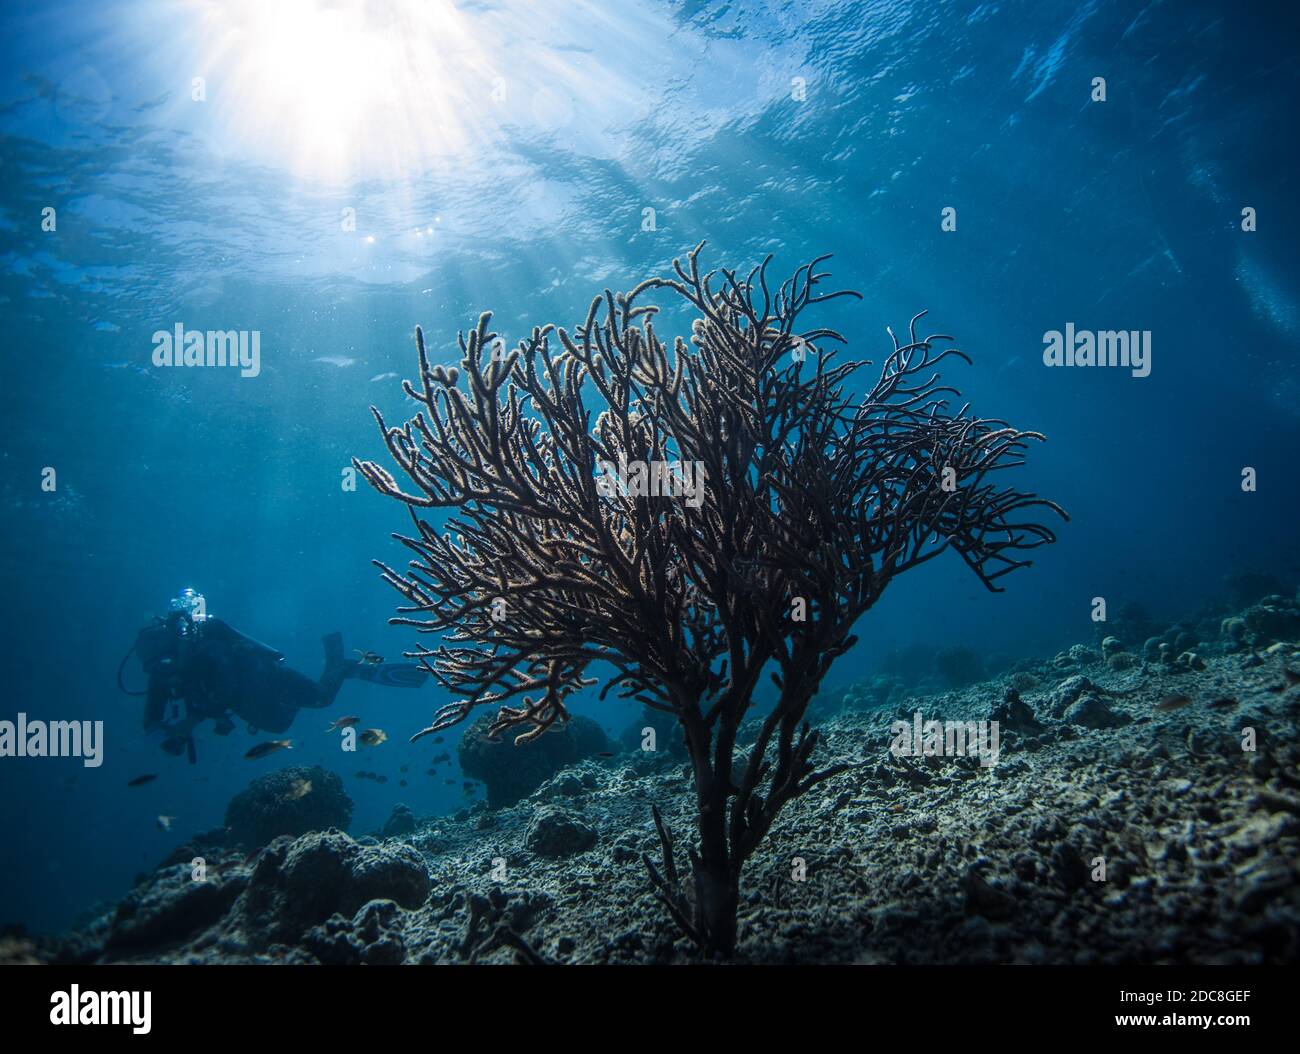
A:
(580, 536)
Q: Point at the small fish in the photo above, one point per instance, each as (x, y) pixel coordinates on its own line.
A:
(468, 784)
(269, 747)
(1223, 704)
(165, 823)
(298, 789)
(370, 658)
(335, 360)
(362, 774)
(342, 722)
(381, 779)
(140, 781)
(382, 377)
(403, 768)
(372, 737)
(431, 772)
(604, 753)
(401, 783)
(449, 782)
(439, 739)
(1173, 702)
(444, 756)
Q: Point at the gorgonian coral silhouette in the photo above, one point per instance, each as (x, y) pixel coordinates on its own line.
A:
(806, 503)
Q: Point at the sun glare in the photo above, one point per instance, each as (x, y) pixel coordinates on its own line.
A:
(340, 89)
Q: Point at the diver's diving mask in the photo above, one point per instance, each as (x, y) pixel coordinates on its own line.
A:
(191, 602)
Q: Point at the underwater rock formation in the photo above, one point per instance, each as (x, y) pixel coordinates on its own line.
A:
(291, 801)
(511, 773)
(554, 832)
(695, 515)
(1274, 618)
(299, 883)
(959, 666)
(400, 821)
(907, 863)
(169, 905)
(237, 907)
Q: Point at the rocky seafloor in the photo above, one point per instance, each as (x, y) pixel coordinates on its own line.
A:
(1126, 821)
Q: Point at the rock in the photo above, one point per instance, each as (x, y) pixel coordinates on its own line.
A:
(272, 806)
(1274, 618)
(1275, 802)
(171, 906)
(1069, 866)
(1122, 660)
(1065, 693)
(1092, 712)
(985, 899)
(301, 883)
(1263, 886)
(400, 821)
(568, 785)
(1024, 681)
(1015, 715)
(1233, 632)
(554, 833)
(372, 936)
(512, 772)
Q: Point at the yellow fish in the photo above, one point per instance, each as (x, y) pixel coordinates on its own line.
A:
(372, 737)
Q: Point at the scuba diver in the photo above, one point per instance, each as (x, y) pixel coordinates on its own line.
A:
(212, 671)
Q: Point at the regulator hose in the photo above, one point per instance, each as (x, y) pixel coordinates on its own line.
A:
(122, 666)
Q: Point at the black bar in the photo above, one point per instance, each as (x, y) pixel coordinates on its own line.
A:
(1038, 1004)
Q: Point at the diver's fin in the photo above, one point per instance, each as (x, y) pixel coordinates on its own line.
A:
(390, 674)
(336, 669)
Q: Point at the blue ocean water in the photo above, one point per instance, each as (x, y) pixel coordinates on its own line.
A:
(331, 174)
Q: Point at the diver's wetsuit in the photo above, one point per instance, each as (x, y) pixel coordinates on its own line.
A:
(215, 670)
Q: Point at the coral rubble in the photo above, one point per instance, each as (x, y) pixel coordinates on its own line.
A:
(1156, 838)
